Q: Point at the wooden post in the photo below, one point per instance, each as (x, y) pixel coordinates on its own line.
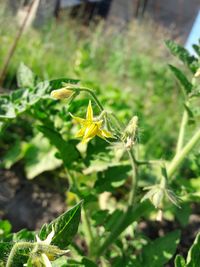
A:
(14, 45)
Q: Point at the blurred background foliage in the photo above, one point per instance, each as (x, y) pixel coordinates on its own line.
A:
(130, 69)
(127, 67)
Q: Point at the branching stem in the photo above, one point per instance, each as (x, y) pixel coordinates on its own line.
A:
(180, 156)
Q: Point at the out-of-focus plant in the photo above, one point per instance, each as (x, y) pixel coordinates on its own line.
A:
(97, 170)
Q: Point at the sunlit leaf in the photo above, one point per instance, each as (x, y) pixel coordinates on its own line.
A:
(193, 258)
(179, 261)
(67, 149)
(65, 227)
(25, 77)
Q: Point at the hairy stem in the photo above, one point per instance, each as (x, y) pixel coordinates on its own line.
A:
(182, 131)
(179, 157)
(133, 178)
(89, 91)
(15, 248)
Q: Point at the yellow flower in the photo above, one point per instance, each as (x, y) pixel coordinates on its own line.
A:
(91, 127)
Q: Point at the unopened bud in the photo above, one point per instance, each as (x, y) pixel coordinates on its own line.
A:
(129, 142)
(61, 93)
(157, 198)
(132, 126)
(129, 135)
(158, 193)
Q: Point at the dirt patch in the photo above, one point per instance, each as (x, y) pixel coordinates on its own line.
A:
(28, 204)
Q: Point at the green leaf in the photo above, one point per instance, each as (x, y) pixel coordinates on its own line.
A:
(192, 187)
(58, 83)
(111, 178)
(40, 157)
(197, 49)
(190, 114)
(7, 110)
(183, 214)
(5, 248)
(5, 228)
(25, 77)
(60, 262)
(161, 250)
(8, 242)
(21, 100)
(133, 214)
(67, 149)
(88, 263)
(112, 219)
(13, 155)
(193, 258)
(65, 227)
(183, 55)
(180, 261)
(100, 217)
(23, 235)
(182, 79)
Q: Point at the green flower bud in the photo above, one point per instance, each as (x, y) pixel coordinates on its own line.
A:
(158, 193)
(129, 135)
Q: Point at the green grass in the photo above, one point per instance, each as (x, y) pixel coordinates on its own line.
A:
(129, 67)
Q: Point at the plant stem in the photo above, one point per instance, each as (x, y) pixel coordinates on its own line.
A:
(89, 91)
(179, 157)
(88, 230)
(110, 239)
(116, 229)
(182, 131)
(133, 177)
(15, 248)
(86, 222)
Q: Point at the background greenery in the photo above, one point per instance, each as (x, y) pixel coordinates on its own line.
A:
(130, 74)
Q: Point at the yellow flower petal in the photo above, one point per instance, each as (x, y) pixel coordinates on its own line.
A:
(99, 123)
(104, 134)
(91, 131)
(90, 127)
(78, 119)
(81, 132)
(89, 115)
